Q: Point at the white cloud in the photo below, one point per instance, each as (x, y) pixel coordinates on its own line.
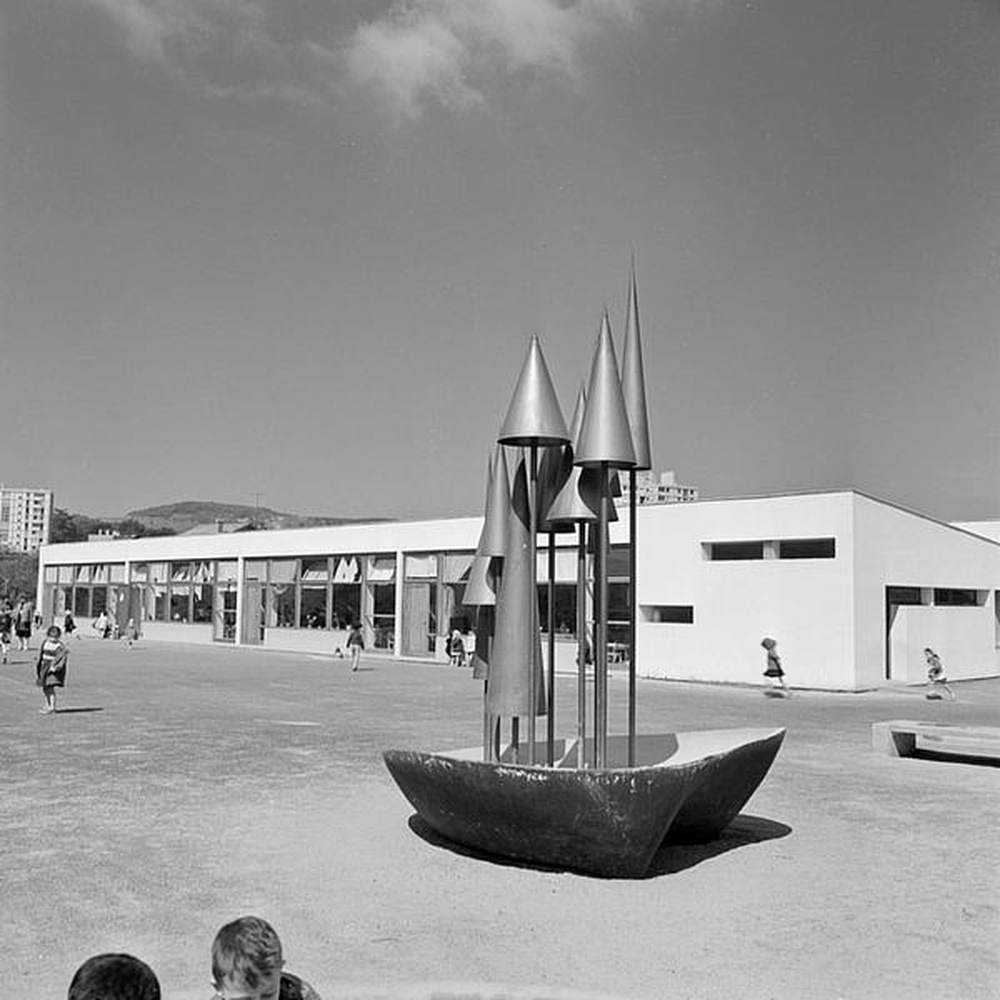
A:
(446, 50)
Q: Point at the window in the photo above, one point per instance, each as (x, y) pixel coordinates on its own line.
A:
(180, 602)
(807, 548)
(346, 604)
(81, 602)
(904, 595)
(733, 551)
(314, 570)
(255, 569)
(421, 567)
(99, 600)
(677, 614)
(226, 570)
(156, 602)
(201, 605)
(281, 605)
(564, 601)
(312, 610)
(957, 598)
(384, 615)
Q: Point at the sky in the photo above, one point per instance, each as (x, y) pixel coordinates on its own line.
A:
(293, 252)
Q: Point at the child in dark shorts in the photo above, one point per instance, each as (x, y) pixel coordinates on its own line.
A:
(773, 670)
(50, 669)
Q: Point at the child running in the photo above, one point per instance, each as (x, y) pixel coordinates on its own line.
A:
(50, 669)
(247, 964)
(773, 670)
(936, 680)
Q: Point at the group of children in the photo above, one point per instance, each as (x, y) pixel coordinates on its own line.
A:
(17, 622)
(937, 682)
(247, 964)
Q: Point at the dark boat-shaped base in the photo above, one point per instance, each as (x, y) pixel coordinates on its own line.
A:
(684, 786)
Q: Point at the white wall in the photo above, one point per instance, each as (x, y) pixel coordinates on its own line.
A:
(306, 640)
(804, 604)
(895, 547)
(177, 632)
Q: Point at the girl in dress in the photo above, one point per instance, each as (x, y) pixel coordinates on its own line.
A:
(50, 669)
(773, 669)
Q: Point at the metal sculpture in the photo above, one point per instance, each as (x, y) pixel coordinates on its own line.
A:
(597, 803)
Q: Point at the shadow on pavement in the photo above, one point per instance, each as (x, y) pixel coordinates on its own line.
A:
(72, 711)
(670, 858)
(742, 832)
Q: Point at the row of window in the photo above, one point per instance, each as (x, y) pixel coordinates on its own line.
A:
(781, 548)
(949, 597)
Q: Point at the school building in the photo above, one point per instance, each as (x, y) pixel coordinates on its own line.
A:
(851, 587)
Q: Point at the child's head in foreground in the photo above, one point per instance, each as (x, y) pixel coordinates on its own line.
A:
(246, 960)
(114, 976)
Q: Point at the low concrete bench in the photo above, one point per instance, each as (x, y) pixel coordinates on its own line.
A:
(905, 738)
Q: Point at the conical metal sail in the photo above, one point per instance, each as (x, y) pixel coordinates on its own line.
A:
(533, 416)
(516, 646)
(634, 381)
(605, 437)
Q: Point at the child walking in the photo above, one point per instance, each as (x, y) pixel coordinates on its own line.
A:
(247, 964)
(50, 669)
(131, 632)
(773, 669)
(936, 680)
(355, 643)
(6, 625)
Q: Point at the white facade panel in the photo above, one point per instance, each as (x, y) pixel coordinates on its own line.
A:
(897, 548)
(805, 604)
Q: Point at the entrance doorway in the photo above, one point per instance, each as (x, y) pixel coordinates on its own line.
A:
(224, 614)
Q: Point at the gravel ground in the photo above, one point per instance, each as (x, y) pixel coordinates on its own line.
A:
(179, 787)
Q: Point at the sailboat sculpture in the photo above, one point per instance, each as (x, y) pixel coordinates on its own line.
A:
(596, 803)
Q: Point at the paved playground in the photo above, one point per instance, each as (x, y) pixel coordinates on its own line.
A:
(179, 787)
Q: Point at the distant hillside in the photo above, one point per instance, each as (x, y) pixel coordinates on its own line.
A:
(187, 514)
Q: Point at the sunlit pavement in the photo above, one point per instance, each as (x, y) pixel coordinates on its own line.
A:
(180, 786)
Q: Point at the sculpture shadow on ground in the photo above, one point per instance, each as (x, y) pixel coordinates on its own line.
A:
(670, 858)
(74, 711)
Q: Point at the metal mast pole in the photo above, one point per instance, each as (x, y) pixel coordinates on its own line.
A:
(551, 609)
(533, 616)
(633, 607)
(581, 643)
(601, 618)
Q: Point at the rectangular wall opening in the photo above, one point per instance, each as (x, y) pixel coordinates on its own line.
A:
(807, 548)
(733, 551)
(676, 614)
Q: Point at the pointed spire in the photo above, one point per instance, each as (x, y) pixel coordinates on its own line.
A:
(634, 381)
(534, 416)
(605, 436)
